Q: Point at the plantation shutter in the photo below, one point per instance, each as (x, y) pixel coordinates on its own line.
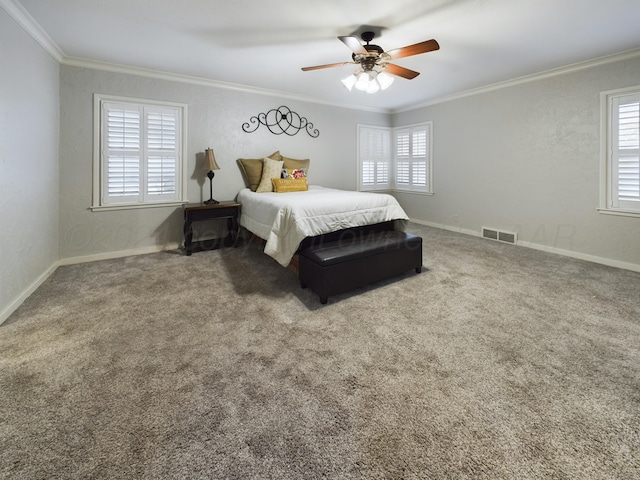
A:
(374, 152)
(163, 157)
(403, 159)
(625, 153)
(140, 154)
(122, 157)
(412, 150)
(419, 157)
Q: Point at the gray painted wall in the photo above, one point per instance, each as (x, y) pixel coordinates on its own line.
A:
(215, 118)
(526, 158)
(29, 86)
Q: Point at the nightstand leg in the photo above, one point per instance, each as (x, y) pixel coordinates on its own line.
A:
(232, 226)
(188, 237)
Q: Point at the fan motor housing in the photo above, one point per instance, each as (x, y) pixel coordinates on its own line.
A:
(368, 61)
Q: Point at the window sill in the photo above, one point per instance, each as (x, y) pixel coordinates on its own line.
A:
(411, 192)
(108, 208)
(392, 191)
(620, 213)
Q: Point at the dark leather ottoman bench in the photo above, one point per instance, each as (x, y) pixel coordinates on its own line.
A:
(352, 262)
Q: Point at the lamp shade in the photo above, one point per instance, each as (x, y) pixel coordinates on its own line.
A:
(210, 160)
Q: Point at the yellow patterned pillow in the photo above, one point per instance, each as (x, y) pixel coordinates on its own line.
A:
(283, 185)
(270, 169)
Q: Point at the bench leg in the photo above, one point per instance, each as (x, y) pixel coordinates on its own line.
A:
(323, 300)
(419, 269)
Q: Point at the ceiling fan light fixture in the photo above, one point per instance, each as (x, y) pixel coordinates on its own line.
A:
(385, 80)
(363, 81)
(350, 81)
(373, 86)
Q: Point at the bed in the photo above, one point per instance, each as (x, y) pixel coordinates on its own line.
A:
(284, 220)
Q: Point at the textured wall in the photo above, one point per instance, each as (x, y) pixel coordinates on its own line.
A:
(29, 92)
(215, 119)
(526, 159)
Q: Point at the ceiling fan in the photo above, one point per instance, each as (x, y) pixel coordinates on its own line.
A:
(374, 61)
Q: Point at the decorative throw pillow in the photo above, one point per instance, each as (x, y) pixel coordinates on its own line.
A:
(251, 169)
(270, 169)
(298, 173)
(283, 185)
(294, 164)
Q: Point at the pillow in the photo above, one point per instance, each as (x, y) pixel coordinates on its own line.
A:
(283, 185)
(270, 169)
(252, 169)
(294, 164)
(299, 173)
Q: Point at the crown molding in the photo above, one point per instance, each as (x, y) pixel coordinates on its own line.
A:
(574, 67)
(33, 28)
(177, 77)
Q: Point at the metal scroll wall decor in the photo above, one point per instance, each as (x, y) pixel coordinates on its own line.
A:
(281, 120)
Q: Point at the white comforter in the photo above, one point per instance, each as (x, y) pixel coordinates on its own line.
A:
(285, 219)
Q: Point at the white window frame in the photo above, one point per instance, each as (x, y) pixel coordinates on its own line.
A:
(101, 200)
(372, 166)
(610, 203)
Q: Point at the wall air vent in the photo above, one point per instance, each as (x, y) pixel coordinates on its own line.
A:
(489, 233)
(493, 234)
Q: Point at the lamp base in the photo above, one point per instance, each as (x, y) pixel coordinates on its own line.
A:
(211, 201)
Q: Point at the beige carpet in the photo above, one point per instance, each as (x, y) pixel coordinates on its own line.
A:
(499, 362)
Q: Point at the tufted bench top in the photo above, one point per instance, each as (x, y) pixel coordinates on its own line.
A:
(351, 248)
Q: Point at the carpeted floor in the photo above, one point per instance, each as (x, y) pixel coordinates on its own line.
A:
(498, 362)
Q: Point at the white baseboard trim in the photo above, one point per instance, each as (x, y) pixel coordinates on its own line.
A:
(582, 256)
(119, 254)
(6, 313)
(558, 251)
(442, 226)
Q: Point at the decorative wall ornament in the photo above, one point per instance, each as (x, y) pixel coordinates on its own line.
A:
(281, 120)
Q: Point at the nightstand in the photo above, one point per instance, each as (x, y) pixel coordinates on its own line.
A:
(199, 212)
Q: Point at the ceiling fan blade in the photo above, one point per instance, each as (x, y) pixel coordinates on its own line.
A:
(354, 44)
(416, 49)
(401, 71)
(329, 65)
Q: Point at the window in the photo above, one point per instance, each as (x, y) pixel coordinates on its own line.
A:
(395, 158)
(138, 153)
(620, 172)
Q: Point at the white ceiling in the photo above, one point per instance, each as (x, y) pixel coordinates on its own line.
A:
(264, 43)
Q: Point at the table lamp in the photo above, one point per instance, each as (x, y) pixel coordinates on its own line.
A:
(211, 165)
